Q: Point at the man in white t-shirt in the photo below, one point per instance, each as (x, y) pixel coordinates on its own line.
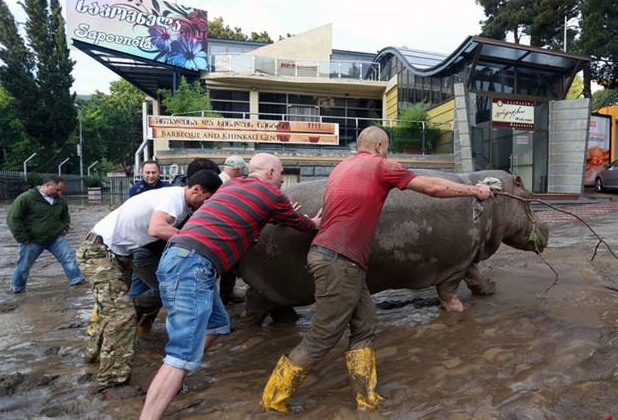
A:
(106, 257)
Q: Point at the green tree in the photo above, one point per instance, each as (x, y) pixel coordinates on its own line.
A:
(188, 98)
(541, 20)
(37, 73)
(112, 125)
(218, 30)
(604, 97)
(577, 88)
(13, 138)
(599, 30)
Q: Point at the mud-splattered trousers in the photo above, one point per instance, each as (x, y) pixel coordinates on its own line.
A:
(342, 301)
(113, 337)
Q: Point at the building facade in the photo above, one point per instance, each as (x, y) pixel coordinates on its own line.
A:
(495, 105)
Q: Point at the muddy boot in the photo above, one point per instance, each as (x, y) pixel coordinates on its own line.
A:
(361, 364)
(147, 306)
(94, 318)
(93, 347)
(282, 384)
(145, 321)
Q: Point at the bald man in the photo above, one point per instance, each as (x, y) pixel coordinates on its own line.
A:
(338, 258)
(209, 244)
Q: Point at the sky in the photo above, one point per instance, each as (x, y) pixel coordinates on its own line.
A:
(437, 26)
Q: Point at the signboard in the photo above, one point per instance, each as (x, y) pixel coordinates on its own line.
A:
(512, 113)
(157, 30)
(242, 130)
(598, 146)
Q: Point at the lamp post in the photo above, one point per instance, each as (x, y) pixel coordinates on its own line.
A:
(565, 33)
(60, 166)
(93, 163)
(80, 153)
(26, 166)
(564, 39)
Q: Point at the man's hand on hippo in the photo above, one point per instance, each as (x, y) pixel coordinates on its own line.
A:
(483, 192)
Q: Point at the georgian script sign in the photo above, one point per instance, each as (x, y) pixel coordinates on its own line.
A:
(242, 130)
(512, 113)
(162, 31)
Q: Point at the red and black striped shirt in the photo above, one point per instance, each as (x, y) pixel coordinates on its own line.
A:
(230, 221)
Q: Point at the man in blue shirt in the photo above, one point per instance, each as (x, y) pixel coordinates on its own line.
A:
(151, 173)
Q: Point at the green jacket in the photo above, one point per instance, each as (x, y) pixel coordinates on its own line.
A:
(32, 219)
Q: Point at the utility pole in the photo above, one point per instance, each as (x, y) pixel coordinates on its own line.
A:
(564, 39)
(80, 153)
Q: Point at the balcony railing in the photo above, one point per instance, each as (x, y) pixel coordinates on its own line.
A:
(260, 65)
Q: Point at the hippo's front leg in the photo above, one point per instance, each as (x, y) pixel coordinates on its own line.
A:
(447, 293)
(478, 284)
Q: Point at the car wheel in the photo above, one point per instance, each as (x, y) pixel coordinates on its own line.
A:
(598, 185)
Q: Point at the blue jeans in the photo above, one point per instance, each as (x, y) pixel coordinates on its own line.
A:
(188, 286)
(30, 251)
(144, 277)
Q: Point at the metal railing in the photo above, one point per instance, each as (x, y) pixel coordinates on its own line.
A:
(259, 65)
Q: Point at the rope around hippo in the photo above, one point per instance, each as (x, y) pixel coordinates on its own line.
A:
(535, 239)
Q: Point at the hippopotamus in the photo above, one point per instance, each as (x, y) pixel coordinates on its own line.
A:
(420, 241)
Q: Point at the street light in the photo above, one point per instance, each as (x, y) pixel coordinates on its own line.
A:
(60, 166)
(565, 38)
(80, 150)
(93, 163)
(564, 42)
(26, 167)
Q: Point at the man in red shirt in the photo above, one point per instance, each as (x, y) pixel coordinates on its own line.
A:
(355, 192)
(210, 243)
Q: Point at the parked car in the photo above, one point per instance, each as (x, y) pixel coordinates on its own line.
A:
(607, 178)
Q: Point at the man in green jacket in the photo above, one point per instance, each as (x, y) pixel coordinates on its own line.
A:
(39, 220)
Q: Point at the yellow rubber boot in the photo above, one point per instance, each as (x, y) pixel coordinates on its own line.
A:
(361, 364)
(93, 320)
(284, 381)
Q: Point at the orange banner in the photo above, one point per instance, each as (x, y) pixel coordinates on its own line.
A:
(243, 136)
(242, 130)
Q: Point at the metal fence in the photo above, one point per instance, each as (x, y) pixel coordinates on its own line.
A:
(13, 183)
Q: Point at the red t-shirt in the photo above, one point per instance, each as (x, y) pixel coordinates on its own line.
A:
(355, 192)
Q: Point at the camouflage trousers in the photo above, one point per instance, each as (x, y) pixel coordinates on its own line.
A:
(113, 337)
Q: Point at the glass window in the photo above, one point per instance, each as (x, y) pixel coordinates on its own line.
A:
(231, 95)
(271, 112)
(279, 98)
(302, 99)
(231, 109)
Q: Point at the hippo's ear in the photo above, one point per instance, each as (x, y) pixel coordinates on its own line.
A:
(518, 182)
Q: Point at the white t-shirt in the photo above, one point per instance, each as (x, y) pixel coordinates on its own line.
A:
(126, 228)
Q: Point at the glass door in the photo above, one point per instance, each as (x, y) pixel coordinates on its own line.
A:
(522, 157)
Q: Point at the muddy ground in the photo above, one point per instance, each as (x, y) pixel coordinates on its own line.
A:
(523, 353)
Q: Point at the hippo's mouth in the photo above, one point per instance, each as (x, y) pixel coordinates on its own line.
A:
(536, 242)
(538, 237)
(534, 239)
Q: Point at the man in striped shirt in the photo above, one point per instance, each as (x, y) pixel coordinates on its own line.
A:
(210, 243)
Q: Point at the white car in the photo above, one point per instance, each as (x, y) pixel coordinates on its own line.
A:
(607, 178)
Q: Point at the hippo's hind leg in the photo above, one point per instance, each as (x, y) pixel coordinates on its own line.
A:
(256, 307)
(478, 284)
(284, 314)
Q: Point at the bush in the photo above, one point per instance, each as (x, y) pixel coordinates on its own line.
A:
(412, 125)
(94, 181)
(34, 180)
